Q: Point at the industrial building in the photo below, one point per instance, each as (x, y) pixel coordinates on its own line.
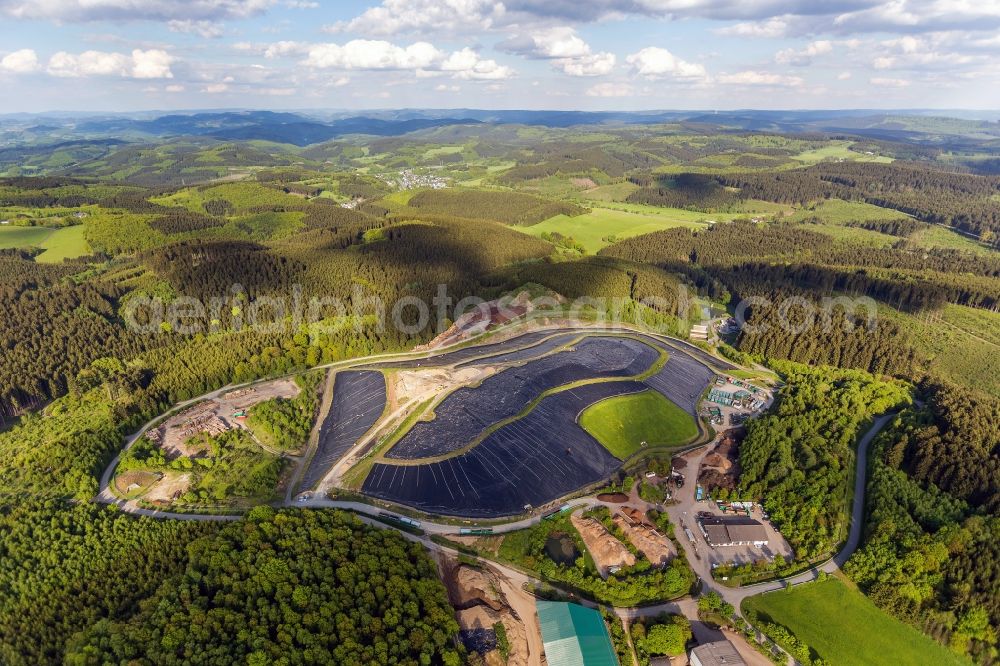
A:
(734, 531)
(719, 653)
(574, 636)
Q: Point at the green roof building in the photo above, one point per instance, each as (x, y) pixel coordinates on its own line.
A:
(574, 635)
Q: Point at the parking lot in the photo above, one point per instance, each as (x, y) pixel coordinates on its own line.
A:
(777, 545)
(686, 511)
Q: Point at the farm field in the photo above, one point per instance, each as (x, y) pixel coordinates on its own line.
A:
(239, 195)
(838, 211)
(11, 237)
(59, 244)
(65, 243)
(845, 628)
(600, 227)
(839, 150)
(622, 423)
(937, 236)
(853, 235)
(610, 192)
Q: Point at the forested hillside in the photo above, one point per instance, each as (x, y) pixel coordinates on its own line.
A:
(295, 586)
(764, 264)
(931, 552)
(800, 459)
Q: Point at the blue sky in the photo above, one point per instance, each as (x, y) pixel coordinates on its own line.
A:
(125, 55)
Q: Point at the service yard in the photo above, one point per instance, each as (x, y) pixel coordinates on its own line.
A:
(691, 512)
(206, 454)
(215, 416)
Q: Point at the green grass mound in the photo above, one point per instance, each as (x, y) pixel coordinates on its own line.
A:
(843, 627)
(622, 423)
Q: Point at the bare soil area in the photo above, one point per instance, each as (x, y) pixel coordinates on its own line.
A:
(606, 550)
(482, 597)
(721, 467)
(169, 488)
(481, 319)
(135, 480)
(416, 386)
(657, 548)
(751, 656)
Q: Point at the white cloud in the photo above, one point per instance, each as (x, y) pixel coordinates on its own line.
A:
(936, 50)
(88, 63)
(608, 89)
(466, 64)
(843, 76)
(149, 64)
(921, 15)
(769, 29)
(441, 87)
(373, 54)
(395, 16)
(285, 48)
(654, 63)
(764, 18)
(883, 82)
(276, 92)
(174, 88)
(215, 88)
(131, 10)
(422, 57)
(460, 60)
(590, 65)
(757, 78)
(558, 42)
(23, 61)
(206, 29)
(805, 56)
(568, 52)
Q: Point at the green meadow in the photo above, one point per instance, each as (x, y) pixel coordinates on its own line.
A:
(845, 628)
(61, 243)
(602, 226)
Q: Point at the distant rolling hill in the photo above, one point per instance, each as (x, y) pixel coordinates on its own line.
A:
(264, 126)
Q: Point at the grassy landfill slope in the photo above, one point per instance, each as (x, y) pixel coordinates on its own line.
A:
(845, 628)
(623, 422)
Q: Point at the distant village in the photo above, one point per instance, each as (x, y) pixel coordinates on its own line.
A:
(407, 180)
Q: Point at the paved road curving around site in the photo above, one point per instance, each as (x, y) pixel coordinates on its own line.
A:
(736, 595)
(369, 512)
